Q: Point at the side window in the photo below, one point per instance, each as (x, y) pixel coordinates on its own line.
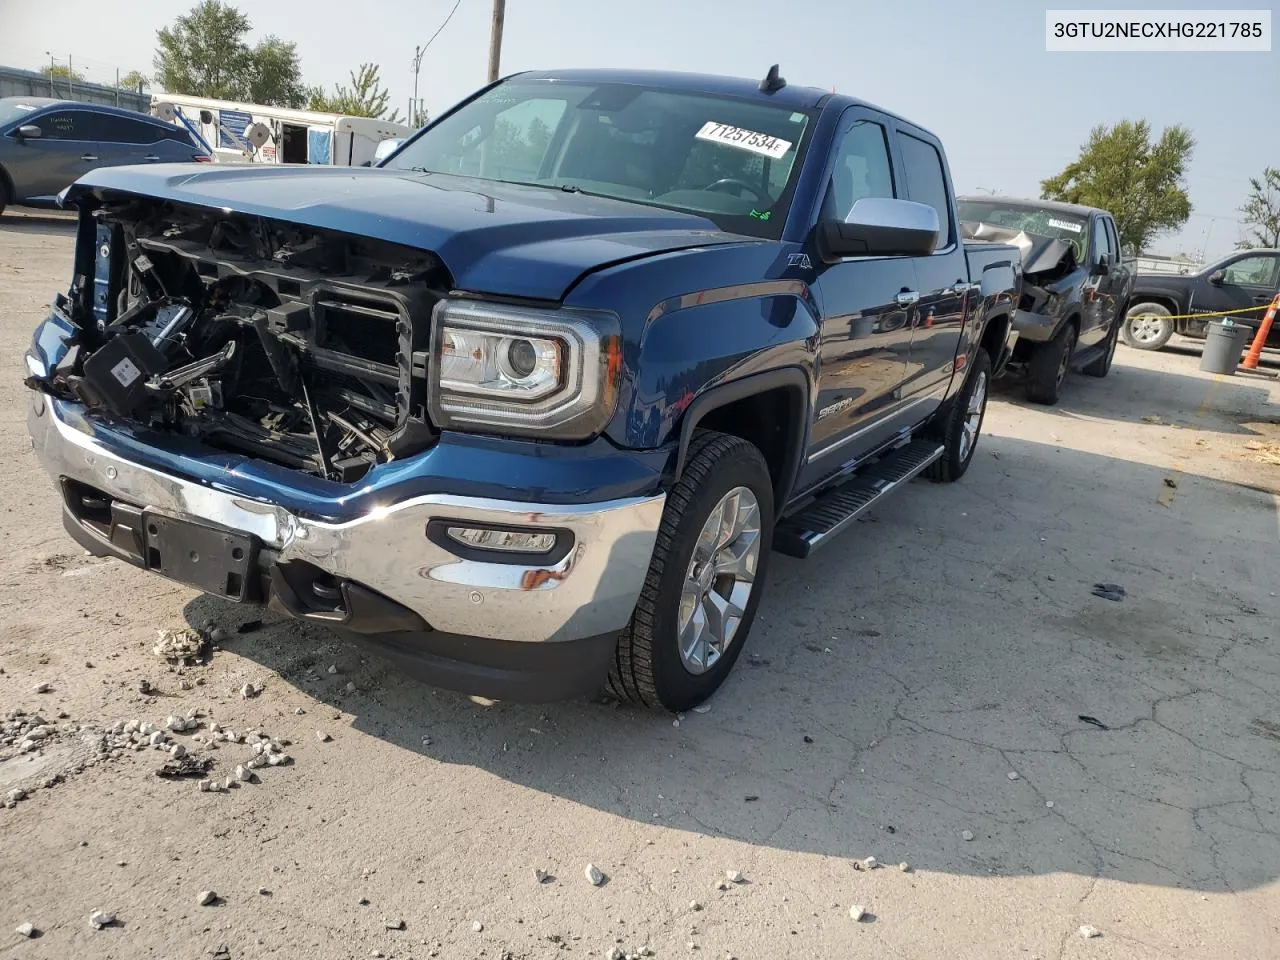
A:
(860, 168)
(1252, 271)
(926, 183)
(1102, 241)
(67, 125)
(124, 130)
(1118, 254)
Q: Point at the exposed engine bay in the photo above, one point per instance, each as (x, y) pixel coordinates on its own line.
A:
(1045, 260)
(303, 347)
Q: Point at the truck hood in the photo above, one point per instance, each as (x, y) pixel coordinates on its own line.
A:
(1040, 255)
(493, 237)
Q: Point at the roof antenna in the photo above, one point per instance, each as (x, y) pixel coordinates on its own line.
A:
(772, 83)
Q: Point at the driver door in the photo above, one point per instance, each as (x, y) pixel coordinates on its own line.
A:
(1248, 280)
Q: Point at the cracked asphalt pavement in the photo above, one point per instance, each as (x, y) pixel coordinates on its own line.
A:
(922, 680)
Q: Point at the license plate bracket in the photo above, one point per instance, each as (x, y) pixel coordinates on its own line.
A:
(215, 560)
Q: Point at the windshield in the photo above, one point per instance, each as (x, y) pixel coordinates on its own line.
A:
(11, 110)
(1043, 223)
(732, 161)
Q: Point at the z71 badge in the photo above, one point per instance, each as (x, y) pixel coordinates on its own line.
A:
(800, 260)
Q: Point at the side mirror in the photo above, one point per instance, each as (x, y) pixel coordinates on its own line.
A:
(29, 131)
(1217, 277)
(880, 227)
(1103, 266)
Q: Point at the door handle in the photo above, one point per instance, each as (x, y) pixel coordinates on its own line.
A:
(151, 158)
(88, 156)
(907, 297)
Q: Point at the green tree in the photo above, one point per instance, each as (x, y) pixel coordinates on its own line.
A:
(205, 53)
(62, 72)
(1140, 181)
(135, 80)
(1261, 212)
(366, 97)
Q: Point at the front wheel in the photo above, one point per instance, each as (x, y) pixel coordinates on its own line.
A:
(1047, 368)
(961, 423)
(704, 581)
(1147, 326)
(1101, 366)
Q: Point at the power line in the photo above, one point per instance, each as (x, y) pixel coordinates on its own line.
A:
(417, 60)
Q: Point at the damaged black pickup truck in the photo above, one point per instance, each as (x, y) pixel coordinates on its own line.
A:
(526, 408)
(1074, 291)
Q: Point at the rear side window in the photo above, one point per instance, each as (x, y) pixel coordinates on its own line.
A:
(926, 183)
(1102, 240)
(1115, 240)
(126, 130)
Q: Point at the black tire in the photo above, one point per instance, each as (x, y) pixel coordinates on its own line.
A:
(1100, 366)
(648, 668)
(1154, 333)
(954, 418)
(1047, 368)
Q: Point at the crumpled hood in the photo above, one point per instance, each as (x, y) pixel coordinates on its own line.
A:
(1039, 254)
(494, 237)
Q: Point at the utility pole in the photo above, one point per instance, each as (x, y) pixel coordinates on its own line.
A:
(495, 38)
(71, 92)
(417, 66)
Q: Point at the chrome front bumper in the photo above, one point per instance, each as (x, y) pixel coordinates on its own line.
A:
(591, 591)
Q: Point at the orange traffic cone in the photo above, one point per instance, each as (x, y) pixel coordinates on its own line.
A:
(1255, 349)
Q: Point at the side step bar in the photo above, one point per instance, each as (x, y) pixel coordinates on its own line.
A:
(799, 534)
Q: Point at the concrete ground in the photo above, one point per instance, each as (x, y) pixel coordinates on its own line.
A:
(942, 672)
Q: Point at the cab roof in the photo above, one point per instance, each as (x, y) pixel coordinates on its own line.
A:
(1049, 206)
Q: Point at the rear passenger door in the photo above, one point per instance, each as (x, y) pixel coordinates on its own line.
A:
(60, 155)
(942, 279)
(866, 304)
(124, 140)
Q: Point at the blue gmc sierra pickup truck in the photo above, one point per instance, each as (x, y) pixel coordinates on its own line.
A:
(526, 407)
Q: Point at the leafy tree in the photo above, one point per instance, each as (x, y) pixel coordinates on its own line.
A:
(1261, 212)
(366, 97)
(1139, 181)
(60, 71)
(205, 53)
(135, 80)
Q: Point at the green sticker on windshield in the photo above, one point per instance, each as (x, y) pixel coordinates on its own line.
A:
(761, 214)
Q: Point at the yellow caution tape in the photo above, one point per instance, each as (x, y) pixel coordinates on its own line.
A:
(1197, 316)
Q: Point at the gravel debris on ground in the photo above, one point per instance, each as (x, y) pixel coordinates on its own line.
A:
(734, 876)
(395, 923)
(1089, 932)
(323, 737)
(1012, 775)
(101, 918)
(966, 834)
(904, 867)
(25, 929)
(206, 897)
(594, 876)
(541, 875)
(857, 912)
(477, 926)
(184, 645)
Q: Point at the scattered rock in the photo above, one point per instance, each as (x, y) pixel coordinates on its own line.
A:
(322, 736)
(541, 875)
(206, 786)
(25, 930)
(351, 687)
(144, 686)
(593, 875)
(101, 918)
(298, 711)
(1049, 804)
(695, 906)
(395, 923)
(477, 926)
(904, 867)
(243, 773)
(1012, 775)
(868, 863)
(249, 691)
(177, 751)
(333, 668)
(14, 795)
(966, 834)
(722, 885)
(264, 892)
(43, 688)
(734, 876)
(1089, 932)
(184, 645)
(614, 953)
(702, 708)
(857, 912)
(206, 897)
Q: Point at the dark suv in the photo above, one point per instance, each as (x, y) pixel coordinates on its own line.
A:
(1074, 289)
(46, 145)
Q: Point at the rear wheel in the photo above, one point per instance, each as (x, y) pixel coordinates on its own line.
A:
(704, 580)
(1047, 368)
(961, 423)
(1147, 326)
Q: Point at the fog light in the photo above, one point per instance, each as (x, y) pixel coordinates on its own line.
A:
(509, 541)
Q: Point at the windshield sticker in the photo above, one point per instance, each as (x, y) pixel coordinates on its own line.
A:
(1066, 225)
(761, 143)
(761, 214)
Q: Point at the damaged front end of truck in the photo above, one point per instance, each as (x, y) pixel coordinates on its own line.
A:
(300, 346)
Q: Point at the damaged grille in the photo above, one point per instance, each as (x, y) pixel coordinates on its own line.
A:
(302, 347)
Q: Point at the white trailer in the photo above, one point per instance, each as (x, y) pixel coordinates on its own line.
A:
(251, 132)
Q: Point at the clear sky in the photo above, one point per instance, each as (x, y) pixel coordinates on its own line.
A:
(974, 72)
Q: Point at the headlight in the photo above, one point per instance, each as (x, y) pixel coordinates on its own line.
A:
(523, 370)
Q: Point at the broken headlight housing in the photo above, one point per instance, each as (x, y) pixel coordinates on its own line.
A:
(499, 368)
